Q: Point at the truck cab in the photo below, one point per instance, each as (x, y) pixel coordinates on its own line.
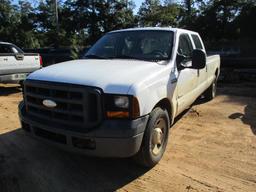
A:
(121, 99)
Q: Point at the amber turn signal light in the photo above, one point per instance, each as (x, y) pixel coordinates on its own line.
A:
(117, 114)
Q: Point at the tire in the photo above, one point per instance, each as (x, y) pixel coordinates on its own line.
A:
(21, 85)
(155, 139)
(210, 93)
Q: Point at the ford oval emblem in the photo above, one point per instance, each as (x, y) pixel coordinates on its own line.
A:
(49, 103)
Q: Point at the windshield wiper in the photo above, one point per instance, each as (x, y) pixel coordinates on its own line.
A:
(92, 56)
(125, 57)
(157, 60)
(132, 57)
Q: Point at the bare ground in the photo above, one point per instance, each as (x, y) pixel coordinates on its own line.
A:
(212, 147)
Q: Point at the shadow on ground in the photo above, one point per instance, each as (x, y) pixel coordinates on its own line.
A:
(28, 165)
(248, 94)
(248, 117)
(5, 91)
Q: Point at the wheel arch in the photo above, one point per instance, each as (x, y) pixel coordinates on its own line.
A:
(166, 104)
(217, 72)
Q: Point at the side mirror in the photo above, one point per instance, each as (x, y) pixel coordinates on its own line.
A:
(180, 58)
(19, 56)
(198, 59)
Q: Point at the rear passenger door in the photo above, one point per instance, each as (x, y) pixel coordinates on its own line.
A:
(202, 73)
(187, 78)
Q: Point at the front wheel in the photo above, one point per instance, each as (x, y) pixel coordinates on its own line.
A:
(155, 138)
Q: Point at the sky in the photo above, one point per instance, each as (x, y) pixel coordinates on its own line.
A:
(138, 4)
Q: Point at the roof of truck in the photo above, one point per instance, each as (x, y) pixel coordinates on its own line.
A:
(154, 29)
(6, 43)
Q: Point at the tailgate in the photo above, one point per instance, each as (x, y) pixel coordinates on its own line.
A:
(19, 63)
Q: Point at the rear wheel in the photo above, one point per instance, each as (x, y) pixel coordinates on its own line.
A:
(155, 138)
(210, 93)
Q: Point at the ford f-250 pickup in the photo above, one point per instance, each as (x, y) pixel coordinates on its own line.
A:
(15, 65)
(122, 98)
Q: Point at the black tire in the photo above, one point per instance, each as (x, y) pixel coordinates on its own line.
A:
(151, 153)
(21, 85)
(210, 93)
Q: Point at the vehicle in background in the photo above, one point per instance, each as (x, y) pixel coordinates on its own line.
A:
(15, 65)
(122, 98)
(53, 55)
(226, 52)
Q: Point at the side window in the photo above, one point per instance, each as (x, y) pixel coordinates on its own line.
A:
(5, 49)
(185, 46)
(1, 49)
(197, 42)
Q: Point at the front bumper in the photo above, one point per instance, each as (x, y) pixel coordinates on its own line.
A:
(113, 138)
(13, 78)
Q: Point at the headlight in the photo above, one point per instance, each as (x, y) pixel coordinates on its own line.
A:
(121, 106)
(121, 102)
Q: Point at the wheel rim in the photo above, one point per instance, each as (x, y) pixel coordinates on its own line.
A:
(158, 136)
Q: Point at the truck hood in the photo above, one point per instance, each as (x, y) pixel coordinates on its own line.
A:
(112, 76)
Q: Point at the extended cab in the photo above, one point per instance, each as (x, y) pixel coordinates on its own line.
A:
(122, 98)
(15, 65)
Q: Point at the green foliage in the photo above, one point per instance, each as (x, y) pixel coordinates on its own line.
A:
(82, 22)
(8, 19)
(74, 47)
(149, 13)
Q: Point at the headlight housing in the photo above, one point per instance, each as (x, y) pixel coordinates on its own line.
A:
(121, 102)
(121, 106)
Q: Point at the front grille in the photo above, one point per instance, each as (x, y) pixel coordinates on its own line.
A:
(78, 108)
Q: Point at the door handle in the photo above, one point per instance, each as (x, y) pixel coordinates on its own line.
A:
(5, 59)
(174, 80)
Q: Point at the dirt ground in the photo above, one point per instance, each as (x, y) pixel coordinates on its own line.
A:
(212, 147)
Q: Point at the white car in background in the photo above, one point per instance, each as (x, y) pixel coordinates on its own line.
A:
(15, 65)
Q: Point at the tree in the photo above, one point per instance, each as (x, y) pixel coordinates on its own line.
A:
(26, 36)
(188, 6)
(152, 13)
(215, 18)
(8, 19)
(83, 22)
(17, 24)
(247, 29)
(247, 12)
(93, 18)
(45, 23)
(149, 12)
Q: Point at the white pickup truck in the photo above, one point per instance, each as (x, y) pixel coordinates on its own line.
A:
(122, 98)
(15, 65)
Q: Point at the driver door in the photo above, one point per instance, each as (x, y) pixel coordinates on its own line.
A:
(187, 78)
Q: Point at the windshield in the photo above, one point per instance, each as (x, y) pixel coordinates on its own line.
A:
(143, 45)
